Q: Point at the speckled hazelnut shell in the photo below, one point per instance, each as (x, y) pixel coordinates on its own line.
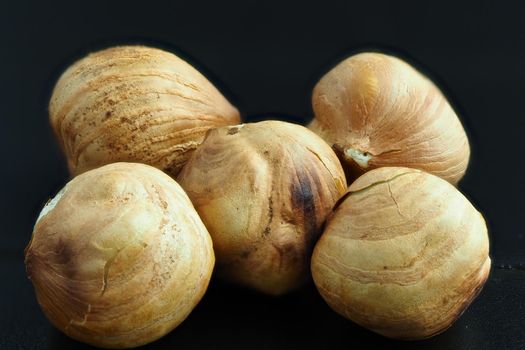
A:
(403, 254)
(134, 104)
(376, 110)
(119, 257)
(263, 191)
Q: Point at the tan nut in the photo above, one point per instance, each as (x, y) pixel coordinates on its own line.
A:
(404, 254)
(376, 110)
(134, 104)
(119, 257)
(263, 191)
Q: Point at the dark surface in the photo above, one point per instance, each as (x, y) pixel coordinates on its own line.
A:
(266, 57)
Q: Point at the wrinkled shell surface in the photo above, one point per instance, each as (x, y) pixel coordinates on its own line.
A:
(137, 104)
(263, 191)
(376, 110)
(404, 254)
(119, 257)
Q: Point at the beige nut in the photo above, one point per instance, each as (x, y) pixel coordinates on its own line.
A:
(119, 257)
(404, 254)
(134, 104)
(263, 191)
(376, 110)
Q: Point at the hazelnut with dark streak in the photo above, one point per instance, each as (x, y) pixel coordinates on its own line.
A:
(263, 191)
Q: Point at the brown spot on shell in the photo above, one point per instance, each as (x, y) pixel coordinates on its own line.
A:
(268, 229)
(233, 131)
(63, 252)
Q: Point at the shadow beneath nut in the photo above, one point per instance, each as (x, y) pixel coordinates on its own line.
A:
(238, 318)
(58, 340)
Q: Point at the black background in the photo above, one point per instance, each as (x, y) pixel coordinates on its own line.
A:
(265, 56)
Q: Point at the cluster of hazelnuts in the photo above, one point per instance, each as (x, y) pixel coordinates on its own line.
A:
(166, 180)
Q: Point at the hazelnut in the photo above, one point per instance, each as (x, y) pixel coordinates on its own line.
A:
(263, 191)
(134, 104)
(376, 110)
(404, 254)
(119, 257)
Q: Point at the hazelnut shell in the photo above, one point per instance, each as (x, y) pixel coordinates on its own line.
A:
(404, 254)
